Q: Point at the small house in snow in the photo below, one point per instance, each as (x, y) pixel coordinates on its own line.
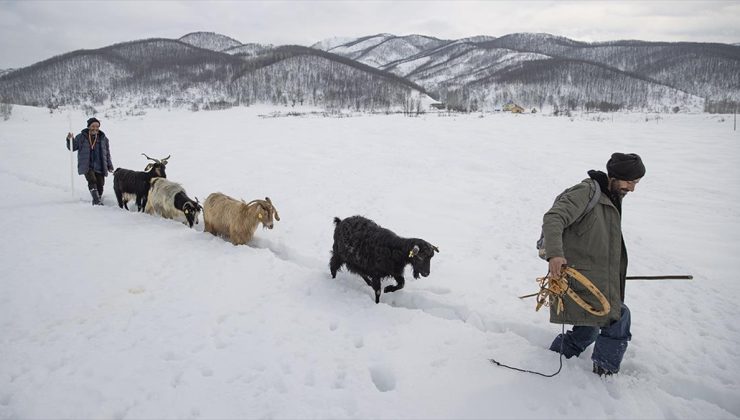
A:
(512, 107)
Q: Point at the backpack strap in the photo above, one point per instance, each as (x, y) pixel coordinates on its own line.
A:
(594, 196)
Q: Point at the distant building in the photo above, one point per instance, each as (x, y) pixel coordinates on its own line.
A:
(438, 105)
(512, 107)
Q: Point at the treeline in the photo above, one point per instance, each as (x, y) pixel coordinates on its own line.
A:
(568, 84)
(722, 107)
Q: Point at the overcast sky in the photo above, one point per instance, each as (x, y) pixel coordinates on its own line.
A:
(34, 30)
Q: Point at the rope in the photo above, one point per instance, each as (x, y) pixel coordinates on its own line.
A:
(91, 141)
(532, 371)
(552, 289)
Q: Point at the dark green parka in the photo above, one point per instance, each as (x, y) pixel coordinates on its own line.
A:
(593, 246)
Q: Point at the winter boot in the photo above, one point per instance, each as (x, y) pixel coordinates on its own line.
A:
(95, 197)
(601, 371)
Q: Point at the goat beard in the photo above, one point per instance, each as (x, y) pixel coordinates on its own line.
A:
(416, 273)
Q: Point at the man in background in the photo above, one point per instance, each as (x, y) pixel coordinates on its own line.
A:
(93, 157)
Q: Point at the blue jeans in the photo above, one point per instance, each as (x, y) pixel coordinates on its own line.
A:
(611, 341)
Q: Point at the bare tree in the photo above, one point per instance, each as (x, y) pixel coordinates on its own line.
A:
(6, 110)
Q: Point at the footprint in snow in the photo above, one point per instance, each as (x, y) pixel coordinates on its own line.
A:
(383, 378)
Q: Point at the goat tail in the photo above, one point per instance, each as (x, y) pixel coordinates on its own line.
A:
(337, 221)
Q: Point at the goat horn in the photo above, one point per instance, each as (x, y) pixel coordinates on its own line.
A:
(272, 206)
(156, 160)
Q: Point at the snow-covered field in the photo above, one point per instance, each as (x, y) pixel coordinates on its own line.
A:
(113, 314)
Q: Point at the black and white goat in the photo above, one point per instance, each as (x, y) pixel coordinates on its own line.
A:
(169, 200)
(375, 253)
(134, 185)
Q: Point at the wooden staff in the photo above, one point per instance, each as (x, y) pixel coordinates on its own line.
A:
(681, 277)
(71, 158)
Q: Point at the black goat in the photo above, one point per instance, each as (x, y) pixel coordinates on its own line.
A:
(375, 253)
(134, 185)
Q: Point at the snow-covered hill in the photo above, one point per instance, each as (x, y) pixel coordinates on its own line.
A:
(329, 43)
(481, 72)
(210, 41)
(166, 73)
(112, 314)
(248, 50)
(396, 48)
(695, 70)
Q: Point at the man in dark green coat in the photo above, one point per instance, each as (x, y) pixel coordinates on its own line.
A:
(592, 243)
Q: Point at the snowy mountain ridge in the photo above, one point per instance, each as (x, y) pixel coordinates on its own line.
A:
(164, 72)
(534, 70)
(458, 72)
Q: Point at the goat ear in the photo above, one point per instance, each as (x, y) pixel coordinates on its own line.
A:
(414, 251)
(148, 167)
(435, 248)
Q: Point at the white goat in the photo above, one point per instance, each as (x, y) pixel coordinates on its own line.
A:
(236, 220)
(169, 200)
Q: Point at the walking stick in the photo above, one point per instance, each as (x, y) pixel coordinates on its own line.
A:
(681, 277)
(71, 159)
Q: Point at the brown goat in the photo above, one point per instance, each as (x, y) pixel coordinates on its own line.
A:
(236, 220)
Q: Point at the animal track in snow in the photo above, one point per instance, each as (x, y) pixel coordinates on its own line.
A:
(694, 390)
(428, 304)
(383, 378)
(439, 290)
(359, 342)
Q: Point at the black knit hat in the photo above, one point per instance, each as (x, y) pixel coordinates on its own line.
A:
(92, 120)
(625, 166)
